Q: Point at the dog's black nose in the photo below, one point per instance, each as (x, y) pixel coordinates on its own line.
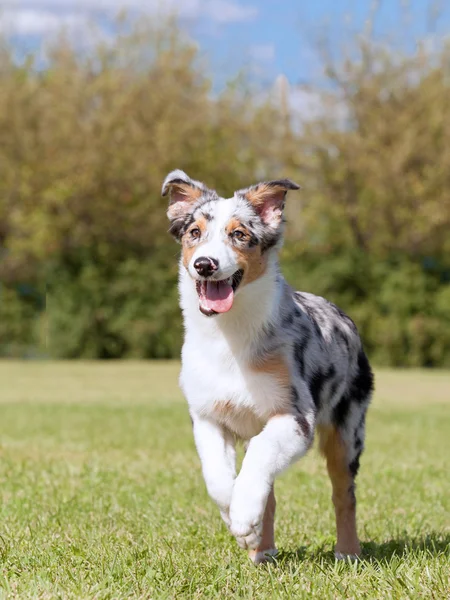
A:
(205, 266)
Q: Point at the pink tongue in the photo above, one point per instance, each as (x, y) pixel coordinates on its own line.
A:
(218, 296)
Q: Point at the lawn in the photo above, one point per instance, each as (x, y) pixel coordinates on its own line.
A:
(102, 495)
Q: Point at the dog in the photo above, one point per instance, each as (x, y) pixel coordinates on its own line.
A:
(262, 363)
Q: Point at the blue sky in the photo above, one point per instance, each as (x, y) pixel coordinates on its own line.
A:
(267, 37)
(283, 35)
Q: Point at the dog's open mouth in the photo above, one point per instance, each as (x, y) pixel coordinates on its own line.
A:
(218, 296)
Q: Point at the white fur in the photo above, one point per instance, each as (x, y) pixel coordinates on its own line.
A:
(218, 456)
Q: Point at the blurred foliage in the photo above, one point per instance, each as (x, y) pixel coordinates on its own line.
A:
(87, 268)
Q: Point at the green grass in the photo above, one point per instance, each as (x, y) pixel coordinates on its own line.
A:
(102, 495)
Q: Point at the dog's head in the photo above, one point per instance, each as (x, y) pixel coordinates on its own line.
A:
(225, 242)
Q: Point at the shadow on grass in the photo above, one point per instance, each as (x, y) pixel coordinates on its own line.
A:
(434, 544)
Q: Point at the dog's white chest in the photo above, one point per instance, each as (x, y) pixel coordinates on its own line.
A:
(220, 386)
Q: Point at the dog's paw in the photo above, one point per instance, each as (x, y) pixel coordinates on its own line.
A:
(248, 534)
(247, 511)
(342, 556)
(259, 557)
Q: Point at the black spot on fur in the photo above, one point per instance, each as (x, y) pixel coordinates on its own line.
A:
(303, 424)
(207, 216)
(330, 376)
(346, 342)
(330, 373)
(286, 183)
(179, 181)
(333, 388)
(358, 443)
(178, 227)
(358, 392)
(354, 466)
(269, 240)
(341, 314)
(315, 387)
(361, 421)
(288, 319)
(299, 351)
(318, 380)
(341, 410)
(362, 384)
(253, 241)
(175, 228)
(340, 335)
(315, 315)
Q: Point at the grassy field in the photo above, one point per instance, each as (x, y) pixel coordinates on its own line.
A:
(102, 495)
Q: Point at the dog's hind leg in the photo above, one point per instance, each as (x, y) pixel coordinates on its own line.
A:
(342, 444)
(333, 446)
(266, 548)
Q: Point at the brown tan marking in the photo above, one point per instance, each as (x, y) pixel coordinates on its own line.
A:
(236, 224)
(276, 366)
(250, 260)
(268, 533)
(258, 195)
(240, 420)
(188, 247)
(182, 196)
(225, 408)
(332, 446)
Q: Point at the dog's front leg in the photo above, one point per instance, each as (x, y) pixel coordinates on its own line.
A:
(216, 448)
(284, 439)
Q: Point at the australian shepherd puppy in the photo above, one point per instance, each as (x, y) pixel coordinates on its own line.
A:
(262, 363)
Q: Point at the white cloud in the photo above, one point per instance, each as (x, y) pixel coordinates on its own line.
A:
(263, 52)
(38, 22)
(105, 5)
(226, 11)
(43, 16)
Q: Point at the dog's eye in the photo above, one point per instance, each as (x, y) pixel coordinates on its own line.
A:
(238, 234)
(195, 233)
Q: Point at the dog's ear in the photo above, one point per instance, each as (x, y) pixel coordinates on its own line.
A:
(267, 198)
(183, 194)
